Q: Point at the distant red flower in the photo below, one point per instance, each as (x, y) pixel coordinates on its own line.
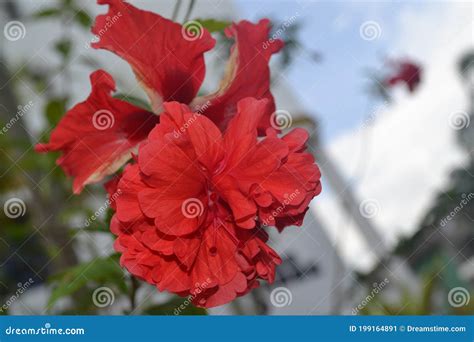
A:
(406, 72)
(192, 208)
(97, 136)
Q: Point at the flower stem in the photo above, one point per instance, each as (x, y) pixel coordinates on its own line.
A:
(190, 8)
(133, 293)
(176, 10)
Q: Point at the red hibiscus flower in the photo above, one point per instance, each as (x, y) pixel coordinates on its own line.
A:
(192, 208)
(406, 72)
(97, 136)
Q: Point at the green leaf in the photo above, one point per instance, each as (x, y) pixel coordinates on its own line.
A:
(101, 271)
(108, 217)
(47, 13)
(175, 306)
(213, 25)
(38, 77)
(55, 109)
(96, 227)
(89, 61)
(133, 100)
(83, 18)
(63, 47)
(67, 3)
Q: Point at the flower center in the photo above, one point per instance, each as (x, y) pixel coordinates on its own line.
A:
(213, 197)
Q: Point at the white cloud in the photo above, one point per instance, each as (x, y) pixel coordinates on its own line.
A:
(412, 147)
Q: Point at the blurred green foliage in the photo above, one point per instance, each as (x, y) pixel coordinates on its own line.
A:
(43, 243)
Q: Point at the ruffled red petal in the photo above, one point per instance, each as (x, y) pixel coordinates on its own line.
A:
(285, 180)
(167, 63)
(219, 269)
(96, 137)
(247, 74)
(190, 215)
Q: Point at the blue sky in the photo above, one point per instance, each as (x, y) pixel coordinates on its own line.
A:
(410, 149)
(334, 89)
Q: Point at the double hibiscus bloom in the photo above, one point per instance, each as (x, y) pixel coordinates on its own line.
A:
(207, 174)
